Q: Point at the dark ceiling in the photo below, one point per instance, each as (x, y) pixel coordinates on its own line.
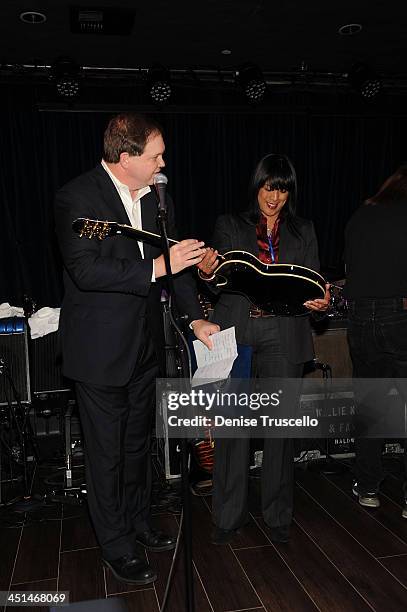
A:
(277, 36)
(295, 43)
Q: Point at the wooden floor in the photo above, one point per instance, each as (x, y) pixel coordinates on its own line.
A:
(341, 557)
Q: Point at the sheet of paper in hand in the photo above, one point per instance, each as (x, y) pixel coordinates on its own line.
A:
(215, 364)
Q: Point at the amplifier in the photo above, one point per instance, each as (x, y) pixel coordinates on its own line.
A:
(331, 348)
(46, 366)
(337, 420)
(14, 367)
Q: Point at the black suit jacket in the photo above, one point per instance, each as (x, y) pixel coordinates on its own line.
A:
(238, 232)
(108, 288)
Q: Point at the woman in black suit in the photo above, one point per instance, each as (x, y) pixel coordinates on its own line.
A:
(270, 230)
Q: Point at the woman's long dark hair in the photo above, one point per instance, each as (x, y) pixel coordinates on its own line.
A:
(393, 189)
(276, 170)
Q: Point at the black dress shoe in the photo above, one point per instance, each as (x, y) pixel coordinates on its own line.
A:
(131, 569)
(280, 534)
(156, 541)
(223, 536)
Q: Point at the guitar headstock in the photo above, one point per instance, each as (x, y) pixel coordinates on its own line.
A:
(91, 228)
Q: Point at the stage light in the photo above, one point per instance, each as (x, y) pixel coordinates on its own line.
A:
(66, 74)
(251, 80)
(159, 84)
(365, 80)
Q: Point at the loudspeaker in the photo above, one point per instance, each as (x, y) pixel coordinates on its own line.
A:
(331, 348)
(45, 365)
(14, 367)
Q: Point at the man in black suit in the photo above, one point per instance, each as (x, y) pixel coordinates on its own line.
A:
(109, 325)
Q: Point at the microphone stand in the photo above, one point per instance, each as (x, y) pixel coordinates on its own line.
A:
(186, 499)
(19, 417)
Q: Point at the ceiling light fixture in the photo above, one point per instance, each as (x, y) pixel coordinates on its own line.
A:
(111, 20)
(251, 80)
(33, 17)
(365, 80)
(66, 74)
(159, 84)
(350, 29)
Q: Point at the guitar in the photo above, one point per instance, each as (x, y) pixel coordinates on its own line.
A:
(280, 289)
(92, 228)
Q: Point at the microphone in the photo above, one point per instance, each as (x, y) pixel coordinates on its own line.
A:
(160, 184)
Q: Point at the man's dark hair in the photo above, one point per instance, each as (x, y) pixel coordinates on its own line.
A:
(127, 133)
(393, 189)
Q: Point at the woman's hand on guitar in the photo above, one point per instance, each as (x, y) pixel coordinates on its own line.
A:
(320, 305)
(208, 264)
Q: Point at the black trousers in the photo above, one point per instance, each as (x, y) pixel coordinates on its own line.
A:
(377, 337)
(232, 456)
(116, 423)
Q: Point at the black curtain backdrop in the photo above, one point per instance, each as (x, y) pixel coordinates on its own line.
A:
(340, 157)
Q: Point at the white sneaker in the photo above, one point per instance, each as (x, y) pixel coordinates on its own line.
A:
(369, 499)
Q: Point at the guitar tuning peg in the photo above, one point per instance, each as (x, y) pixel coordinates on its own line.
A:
(104, 230)
(83, 230)
(87, 229)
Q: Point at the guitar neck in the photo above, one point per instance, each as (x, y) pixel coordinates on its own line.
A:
(144, 235)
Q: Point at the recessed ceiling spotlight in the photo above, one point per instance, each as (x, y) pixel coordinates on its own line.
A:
(33, 17)
(350, 29)
(226, 52)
